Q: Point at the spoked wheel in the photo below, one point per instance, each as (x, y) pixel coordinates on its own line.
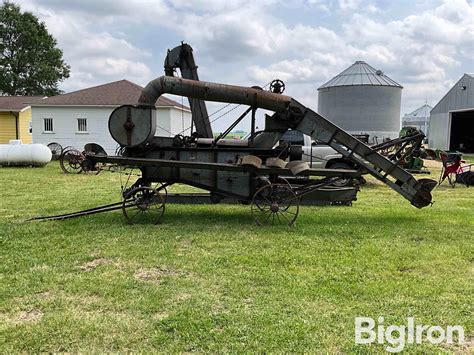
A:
(143, 205)
(275, 204)
(56, 150)
(161, 188)
(90, 168)
(71, 161)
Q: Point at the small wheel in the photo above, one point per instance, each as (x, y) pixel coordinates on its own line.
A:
(162, 190)
(71, 161)
(56, 150)
(277, 86)
(120, 151)
(66, 148)
(90, 168)
(143, 205)
(275, 204)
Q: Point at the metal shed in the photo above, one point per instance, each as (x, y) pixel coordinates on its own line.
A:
(452, 119)
(420, 118)
(362, 99)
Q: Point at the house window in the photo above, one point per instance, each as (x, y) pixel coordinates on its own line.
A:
(48, 124)
(82, 124)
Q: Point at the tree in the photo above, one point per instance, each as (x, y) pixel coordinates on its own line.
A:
(30, 63)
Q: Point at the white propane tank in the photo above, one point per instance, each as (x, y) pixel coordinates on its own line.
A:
(24, 154)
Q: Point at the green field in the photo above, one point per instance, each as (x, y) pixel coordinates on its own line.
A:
(208, 279)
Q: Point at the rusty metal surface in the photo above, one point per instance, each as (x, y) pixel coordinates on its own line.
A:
(212, 92)
(328, 195)
(182, 57)
(221, 166)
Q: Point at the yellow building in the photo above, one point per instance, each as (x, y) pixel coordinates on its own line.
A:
(15, 118)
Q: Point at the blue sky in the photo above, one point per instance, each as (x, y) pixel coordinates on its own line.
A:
(424, 45)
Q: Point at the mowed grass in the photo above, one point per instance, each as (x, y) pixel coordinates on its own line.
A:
(209, 279)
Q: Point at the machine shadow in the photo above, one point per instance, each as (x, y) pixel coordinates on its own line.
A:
(230, 218)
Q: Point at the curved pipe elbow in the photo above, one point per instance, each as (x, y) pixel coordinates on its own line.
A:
(152, 92)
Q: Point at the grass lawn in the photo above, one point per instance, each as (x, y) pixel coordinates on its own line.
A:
(208, 279)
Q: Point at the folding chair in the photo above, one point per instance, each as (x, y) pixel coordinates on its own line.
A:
(453, 170)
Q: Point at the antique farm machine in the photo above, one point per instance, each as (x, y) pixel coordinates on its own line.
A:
(258, 171)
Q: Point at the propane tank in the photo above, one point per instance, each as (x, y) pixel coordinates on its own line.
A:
(16, 153)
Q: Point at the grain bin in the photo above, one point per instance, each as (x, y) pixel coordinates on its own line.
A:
(362, 99)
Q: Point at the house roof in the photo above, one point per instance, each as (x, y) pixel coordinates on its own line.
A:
(423, 111)
(16, 103)
(117, 93)
(360, 73)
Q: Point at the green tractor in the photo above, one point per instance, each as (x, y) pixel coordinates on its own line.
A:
(414, 162)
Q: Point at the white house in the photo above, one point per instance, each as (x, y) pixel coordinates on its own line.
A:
(81, 117)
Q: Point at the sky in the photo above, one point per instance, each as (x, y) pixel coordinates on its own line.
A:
(424, 45)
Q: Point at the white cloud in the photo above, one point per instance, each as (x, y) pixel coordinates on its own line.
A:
(247, 42)
(95, 56)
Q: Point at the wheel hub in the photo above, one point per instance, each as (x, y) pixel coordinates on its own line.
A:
(274, 207)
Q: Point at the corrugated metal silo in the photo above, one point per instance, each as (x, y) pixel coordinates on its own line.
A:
(362, 99)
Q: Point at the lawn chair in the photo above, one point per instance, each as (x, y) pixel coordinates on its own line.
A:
(453, 170)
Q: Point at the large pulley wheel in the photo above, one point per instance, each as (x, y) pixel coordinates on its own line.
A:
(71, 161)
(275, 204)
(132, 126)
(143, 205)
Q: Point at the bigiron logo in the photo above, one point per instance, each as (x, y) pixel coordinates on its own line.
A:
(397, 336)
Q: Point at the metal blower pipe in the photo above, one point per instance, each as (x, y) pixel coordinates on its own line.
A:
(212, 92)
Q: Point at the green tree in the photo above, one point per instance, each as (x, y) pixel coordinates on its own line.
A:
(30, 63)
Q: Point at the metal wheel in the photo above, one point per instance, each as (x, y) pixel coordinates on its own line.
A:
(284, 181)
(161, 188)
(90, 168)
(71, 161)
(143, 205)
(69, 147)
(120, 151)
(56, 150)
(275, 204)
(277, 86)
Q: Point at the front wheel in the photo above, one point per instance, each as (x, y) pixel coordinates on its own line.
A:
(275, 204)
(143, 205)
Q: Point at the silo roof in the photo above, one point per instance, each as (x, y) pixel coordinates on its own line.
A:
(423, 111)
(360, 73)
